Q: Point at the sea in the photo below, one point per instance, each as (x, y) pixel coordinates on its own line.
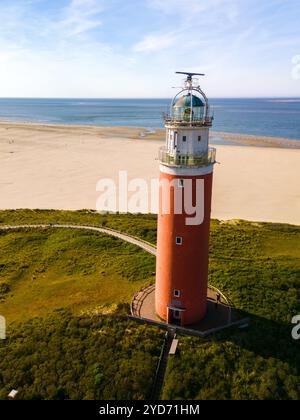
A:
(263, 117)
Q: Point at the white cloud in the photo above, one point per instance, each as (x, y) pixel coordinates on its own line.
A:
(200, 27)
(82, 16)
(152, 43)
(55, 52)
(190, 9)
(176, 6)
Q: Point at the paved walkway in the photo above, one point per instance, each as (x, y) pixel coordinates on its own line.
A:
(146, 246)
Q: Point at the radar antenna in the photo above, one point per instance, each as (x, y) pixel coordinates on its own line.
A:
(190, 75)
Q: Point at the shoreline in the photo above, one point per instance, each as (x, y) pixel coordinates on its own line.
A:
(58, 167)
(143, 133)
(257, 141)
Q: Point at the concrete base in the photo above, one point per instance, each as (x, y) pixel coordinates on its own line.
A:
(218, 314)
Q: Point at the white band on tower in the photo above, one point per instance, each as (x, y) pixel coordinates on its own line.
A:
(191, 171)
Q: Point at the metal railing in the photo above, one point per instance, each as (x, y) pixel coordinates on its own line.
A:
(179, 159)
(187, 122)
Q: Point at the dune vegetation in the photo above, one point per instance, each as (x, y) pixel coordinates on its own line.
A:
(63, 356)
(258, 267)
(143, 226)
(84, 271)
(60, 288)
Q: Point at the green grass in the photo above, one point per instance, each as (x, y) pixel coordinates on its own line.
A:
(256, 264)
(43, 270)
(67, 357)
(224, 370)
(258, 267)
(143, 226)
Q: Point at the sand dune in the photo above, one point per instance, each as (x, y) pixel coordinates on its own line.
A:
(58, 167)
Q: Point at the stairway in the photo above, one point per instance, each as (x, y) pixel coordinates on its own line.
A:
(162, 365)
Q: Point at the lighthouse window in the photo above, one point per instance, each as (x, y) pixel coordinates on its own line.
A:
(199, 138)
(179, 240)
(180, 183)
(177, 293)
(184, 138)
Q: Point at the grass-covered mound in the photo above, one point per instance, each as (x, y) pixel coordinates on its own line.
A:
(67, 357)
(258, 267)
(225, 370)
(43, 270)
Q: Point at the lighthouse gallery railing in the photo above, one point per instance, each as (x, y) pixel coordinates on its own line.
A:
(184, 120)
(179, 159)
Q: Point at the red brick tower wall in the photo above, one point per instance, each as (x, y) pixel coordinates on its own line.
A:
(183, 267)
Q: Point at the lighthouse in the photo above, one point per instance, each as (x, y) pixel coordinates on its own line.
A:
(186, 177)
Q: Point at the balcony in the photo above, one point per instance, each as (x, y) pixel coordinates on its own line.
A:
(184, 121)
(178, 159)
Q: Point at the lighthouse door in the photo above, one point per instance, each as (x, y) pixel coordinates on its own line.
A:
(176, 317)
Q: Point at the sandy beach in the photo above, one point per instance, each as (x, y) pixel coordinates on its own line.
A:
(58, 167)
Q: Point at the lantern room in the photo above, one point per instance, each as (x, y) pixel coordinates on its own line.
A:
(188, 108)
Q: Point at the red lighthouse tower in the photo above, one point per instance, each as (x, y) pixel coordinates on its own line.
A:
(186, 175)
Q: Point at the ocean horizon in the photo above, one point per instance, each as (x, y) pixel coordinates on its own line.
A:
(274, 117)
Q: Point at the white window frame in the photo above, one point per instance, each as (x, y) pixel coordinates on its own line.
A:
(177, 293)
(179, 240)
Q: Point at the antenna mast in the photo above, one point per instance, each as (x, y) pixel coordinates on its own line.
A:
(190, 87)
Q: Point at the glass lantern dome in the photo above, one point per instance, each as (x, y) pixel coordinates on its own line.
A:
(188, 108)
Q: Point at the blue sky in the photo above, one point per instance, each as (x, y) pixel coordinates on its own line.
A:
(118, 48)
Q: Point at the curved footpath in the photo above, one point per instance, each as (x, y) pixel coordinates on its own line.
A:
(146, 246)
(139, 298)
